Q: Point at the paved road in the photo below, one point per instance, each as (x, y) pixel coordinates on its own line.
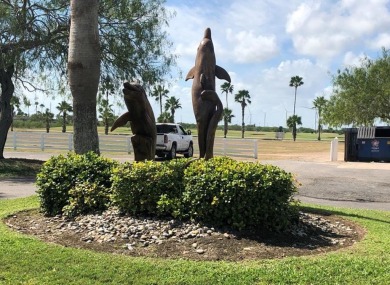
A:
(340, 184)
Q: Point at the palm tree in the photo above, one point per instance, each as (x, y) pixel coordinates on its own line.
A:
(227, 87)
(319, 103)
(158, 93)
(295, 82)
(227, 118)
(48, 117)
(243, 98)
(165, 117)
(106, 114)
(64, 108)
(27, 103)
(41, 106)
(84, 73)
(172, 104)
(292, 122)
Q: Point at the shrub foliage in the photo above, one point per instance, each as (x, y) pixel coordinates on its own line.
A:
(223, 191)
(148, 187)
(219, 191)
(60, 174)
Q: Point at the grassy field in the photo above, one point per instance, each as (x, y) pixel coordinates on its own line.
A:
(26, 260)
(219, 133)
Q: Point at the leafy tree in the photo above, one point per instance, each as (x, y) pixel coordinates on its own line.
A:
(29, 31)
(64, 108)
(34, 39)
(159, 92)
(361, 94)
(227, 88)
(172, 104)
(295, 82)
(227, 116)
(292, 123)
(243, 98)
(319, 103)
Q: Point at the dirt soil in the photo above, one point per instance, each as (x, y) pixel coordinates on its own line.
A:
(317, 232)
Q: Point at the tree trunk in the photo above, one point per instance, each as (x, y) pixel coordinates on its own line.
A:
(106, 126)
(225, 128)
(64, 122)
(47, 126)
(7, 91)
(84, 73)
(294, 131)
(319, 126)
(243, 123)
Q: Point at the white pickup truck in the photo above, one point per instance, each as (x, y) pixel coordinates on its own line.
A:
(173, 139)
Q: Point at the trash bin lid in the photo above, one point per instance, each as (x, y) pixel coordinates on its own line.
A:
(366, 133)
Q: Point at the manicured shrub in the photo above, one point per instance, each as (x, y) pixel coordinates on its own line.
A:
(87, 197)
(222, 191)
(148, 187)
(61, 173)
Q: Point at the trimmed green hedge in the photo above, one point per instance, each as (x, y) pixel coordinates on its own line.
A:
(60, 174)
(219, 191)
(149, 188)
(223, 191)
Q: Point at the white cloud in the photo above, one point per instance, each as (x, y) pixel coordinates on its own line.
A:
(351, 59)
(381, 40)
(249, 47)
(325, 29)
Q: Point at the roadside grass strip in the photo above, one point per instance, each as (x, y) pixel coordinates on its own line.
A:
(27, 260)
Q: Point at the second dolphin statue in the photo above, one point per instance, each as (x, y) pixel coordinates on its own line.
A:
(205, 101)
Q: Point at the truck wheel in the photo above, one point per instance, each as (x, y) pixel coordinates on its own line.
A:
(160, 154)
(172, 153)
(190, 151)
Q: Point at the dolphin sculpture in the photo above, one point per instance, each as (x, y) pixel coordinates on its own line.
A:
(205, 101)
(142, 122)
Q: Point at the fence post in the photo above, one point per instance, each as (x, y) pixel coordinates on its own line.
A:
(70, 142)
(14, 141)
(43, 142)
(333, 149)
(255, 149)
(129, 145)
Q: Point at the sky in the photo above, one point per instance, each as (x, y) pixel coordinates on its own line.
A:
(263, 43)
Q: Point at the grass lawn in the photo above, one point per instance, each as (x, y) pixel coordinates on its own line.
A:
(219, 133)
(26, 260)
(19, 167)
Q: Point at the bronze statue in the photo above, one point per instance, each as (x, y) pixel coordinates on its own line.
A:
(206, 103)
(142, 122)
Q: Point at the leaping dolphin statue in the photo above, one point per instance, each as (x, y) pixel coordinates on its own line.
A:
(205, 101)
(142, 122)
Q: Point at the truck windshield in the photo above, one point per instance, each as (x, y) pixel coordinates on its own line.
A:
(164, 129)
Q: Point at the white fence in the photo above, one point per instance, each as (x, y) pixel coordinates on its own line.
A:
(118, 143)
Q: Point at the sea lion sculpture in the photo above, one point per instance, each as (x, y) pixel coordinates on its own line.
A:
(142, 122)
(205, 101)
